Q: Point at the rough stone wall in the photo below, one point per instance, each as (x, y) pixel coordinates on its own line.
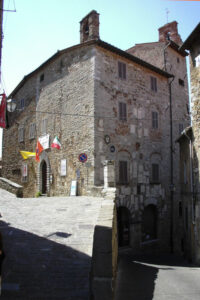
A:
(105, 253)
(12, 160)
(134, 140)
(64, 96)
(167, 58)
(195, 99)
(67, 103)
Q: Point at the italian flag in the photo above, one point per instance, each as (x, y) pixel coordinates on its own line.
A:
(56, 143)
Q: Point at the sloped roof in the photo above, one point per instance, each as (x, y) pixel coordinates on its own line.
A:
(195, 35)
(172, 44)
(101, 44)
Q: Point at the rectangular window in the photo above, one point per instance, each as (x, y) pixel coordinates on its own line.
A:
(123, 172)
(21, 134)
(22, 104)
(154, 84)
(121, 70)
(32, 131)
(44, 126)
(155, 173)
(154, 119)
(122, 111)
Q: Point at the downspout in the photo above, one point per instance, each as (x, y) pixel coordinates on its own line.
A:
(171, 169)
(191, 173)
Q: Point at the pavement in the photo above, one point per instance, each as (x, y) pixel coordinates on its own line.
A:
(163, 277)
(48, 245)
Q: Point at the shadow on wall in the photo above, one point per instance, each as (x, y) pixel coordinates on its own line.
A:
(38, 268)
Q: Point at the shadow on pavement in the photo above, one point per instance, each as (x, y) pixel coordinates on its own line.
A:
(131, 282)
(38, 268)
(137, 275)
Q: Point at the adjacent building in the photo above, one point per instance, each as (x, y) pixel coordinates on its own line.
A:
(189, 152)
(113, 110)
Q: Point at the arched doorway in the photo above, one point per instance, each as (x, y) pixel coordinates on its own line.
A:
(44, 176)
(149, 223)
(123, 224)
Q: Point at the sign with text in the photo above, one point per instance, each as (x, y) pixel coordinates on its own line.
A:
(63, 167)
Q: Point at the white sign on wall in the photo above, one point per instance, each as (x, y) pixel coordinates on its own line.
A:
(63, 167)
(44, 141)
(24, 170)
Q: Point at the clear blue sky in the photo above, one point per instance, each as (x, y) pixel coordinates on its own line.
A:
(39, 28)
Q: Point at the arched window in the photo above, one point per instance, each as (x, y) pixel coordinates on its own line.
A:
(149, 223)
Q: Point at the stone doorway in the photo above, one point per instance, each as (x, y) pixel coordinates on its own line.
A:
(44, 176)
(123, 224)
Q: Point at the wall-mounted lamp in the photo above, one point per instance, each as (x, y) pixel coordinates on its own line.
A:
(11, 105)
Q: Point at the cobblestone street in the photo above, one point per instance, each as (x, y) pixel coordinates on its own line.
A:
(48, 245)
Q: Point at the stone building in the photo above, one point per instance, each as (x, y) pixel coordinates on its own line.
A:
(189, 149)
(121, 111)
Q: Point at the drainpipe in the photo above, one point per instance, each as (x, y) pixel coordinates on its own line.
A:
(191, 173)
(171, 169)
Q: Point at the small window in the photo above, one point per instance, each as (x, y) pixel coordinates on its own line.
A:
(123, 172)
(154, 119)
(122, 70)
(178, 60)
(44, 126)
(180, 209)
(181, 82)
(41, 77)
(122, 111)
(32, 131)
(180, 128)
(154, 84)
(138, 189)
(185, 172)
(21, 134)
(155, 173)
(22, 104)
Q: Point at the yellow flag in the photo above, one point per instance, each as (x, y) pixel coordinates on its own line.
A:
(26, 154)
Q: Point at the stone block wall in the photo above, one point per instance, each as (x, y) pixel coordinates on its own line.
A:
(134, 141)
(105, 252)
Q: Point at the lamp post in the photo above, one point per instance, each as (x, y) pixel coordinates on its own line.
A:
(11, 105)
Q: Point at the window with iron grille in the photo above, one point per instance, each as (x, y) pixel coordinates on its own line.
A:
(44, 126)
(21, 134)
(121, 70)
(32, 131)
(123, 172)
(122, 111)
(155, 173)
(154, 119)
(154, 84)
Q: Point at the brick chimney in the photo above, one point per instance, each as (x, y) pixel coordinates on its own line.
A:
(169, 32)
(89, 27)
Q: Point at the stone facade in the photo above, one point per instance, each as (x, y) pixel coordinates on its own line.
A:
(115, 108)
(191, 148)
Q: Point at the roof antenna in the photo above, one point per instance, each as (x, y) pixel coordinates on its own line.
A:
(167, 14)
